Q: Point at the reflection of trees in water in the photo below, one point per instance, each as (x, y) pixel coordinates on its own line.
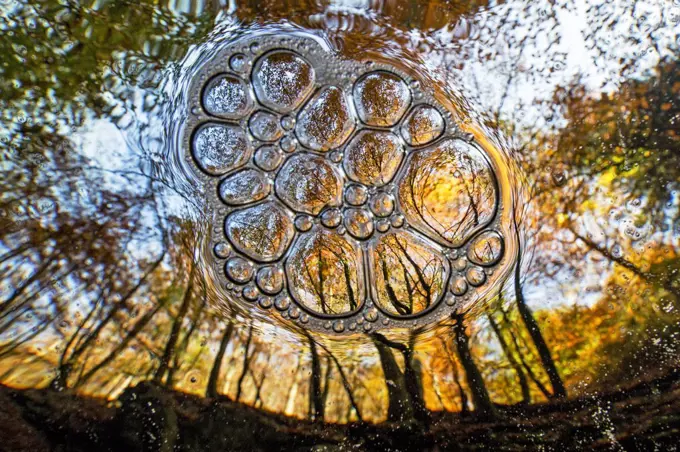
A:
(102, 287)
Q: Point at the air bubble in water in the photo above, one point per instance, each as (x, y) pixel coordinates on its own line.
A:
(303, 223)
(282, 80)
(219, 148)
(288, 144)
(282, 302)
(408, 273)
(356, 195)
(331, 218)
(226, 96)
(244, 187)
(238, 62)
(222, 250)
(270, 280)
(382, 204)
(475, 276)
(265, 126)
(326, 122)
(250, 293)
(373, 157)
(422, 125)
(308, 183)
(268, 157)
(381, 98)
(262, 232)
(448, 209)
(486, 248)
(359, 223)
(325, 273)
(458, 285)
(239, 270)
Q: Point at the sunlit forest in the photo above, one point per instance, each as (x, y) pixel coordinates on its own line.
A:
(115, 333)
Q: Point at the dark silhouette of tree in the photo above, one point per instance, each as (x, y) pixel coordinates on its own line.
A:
(247, 355)
(409, 396)
(480, 396)
(211, 390)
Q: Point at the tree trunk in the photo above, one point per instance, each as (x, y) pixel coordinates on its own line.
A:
(246, 362)
(211, 390)
(315, 394)
(480, 396)
(559, 391)
(176, 327)
(521, 378)
(399, 404)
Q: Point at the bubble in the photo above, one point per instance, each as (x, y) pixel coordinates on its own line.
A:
(303, 223)
(382, 225)
(326, 122)
(408, 274)
(244, 187)
(381, 98)
(239, 270)
(422, 125)
(458, 285)
(288, 144)
(475, 276)
(359, 223)
(397, 220)
(250, 293)
(373, 157)
(270, 280)
(448, 191)
(371, 315)
(382, 204)
(331, 218)
(262, 232)
(226, 96)
(339, 326)
(486, 249)
(294, 312)
(268, 157)
(222, 250)
(282, 80)
(219, 148)
(325, 273)
(265, 302)
(356, 195)
(288, 122)
(460, 264)
(336, 156)
(282, 302)
(238, 62)
(265, 126)
(308, 183)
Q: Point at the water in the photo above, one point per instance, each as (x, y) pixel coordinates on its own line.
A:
(498, 179)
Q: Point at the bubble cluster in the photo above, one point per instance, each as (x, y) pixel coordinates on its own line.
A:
(347, 204)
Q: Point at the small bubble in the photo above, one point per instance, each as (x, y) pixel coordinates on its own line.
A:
(238, 62)
(371, 315)
(475, 276)
(222, 250)
(288, 122)
(331, 218)
(356, 195)
(288, 144)
(303, 223)
(282, 303)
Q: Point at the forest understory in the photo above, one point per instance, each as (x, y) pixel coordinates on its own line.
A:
(150, 417)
